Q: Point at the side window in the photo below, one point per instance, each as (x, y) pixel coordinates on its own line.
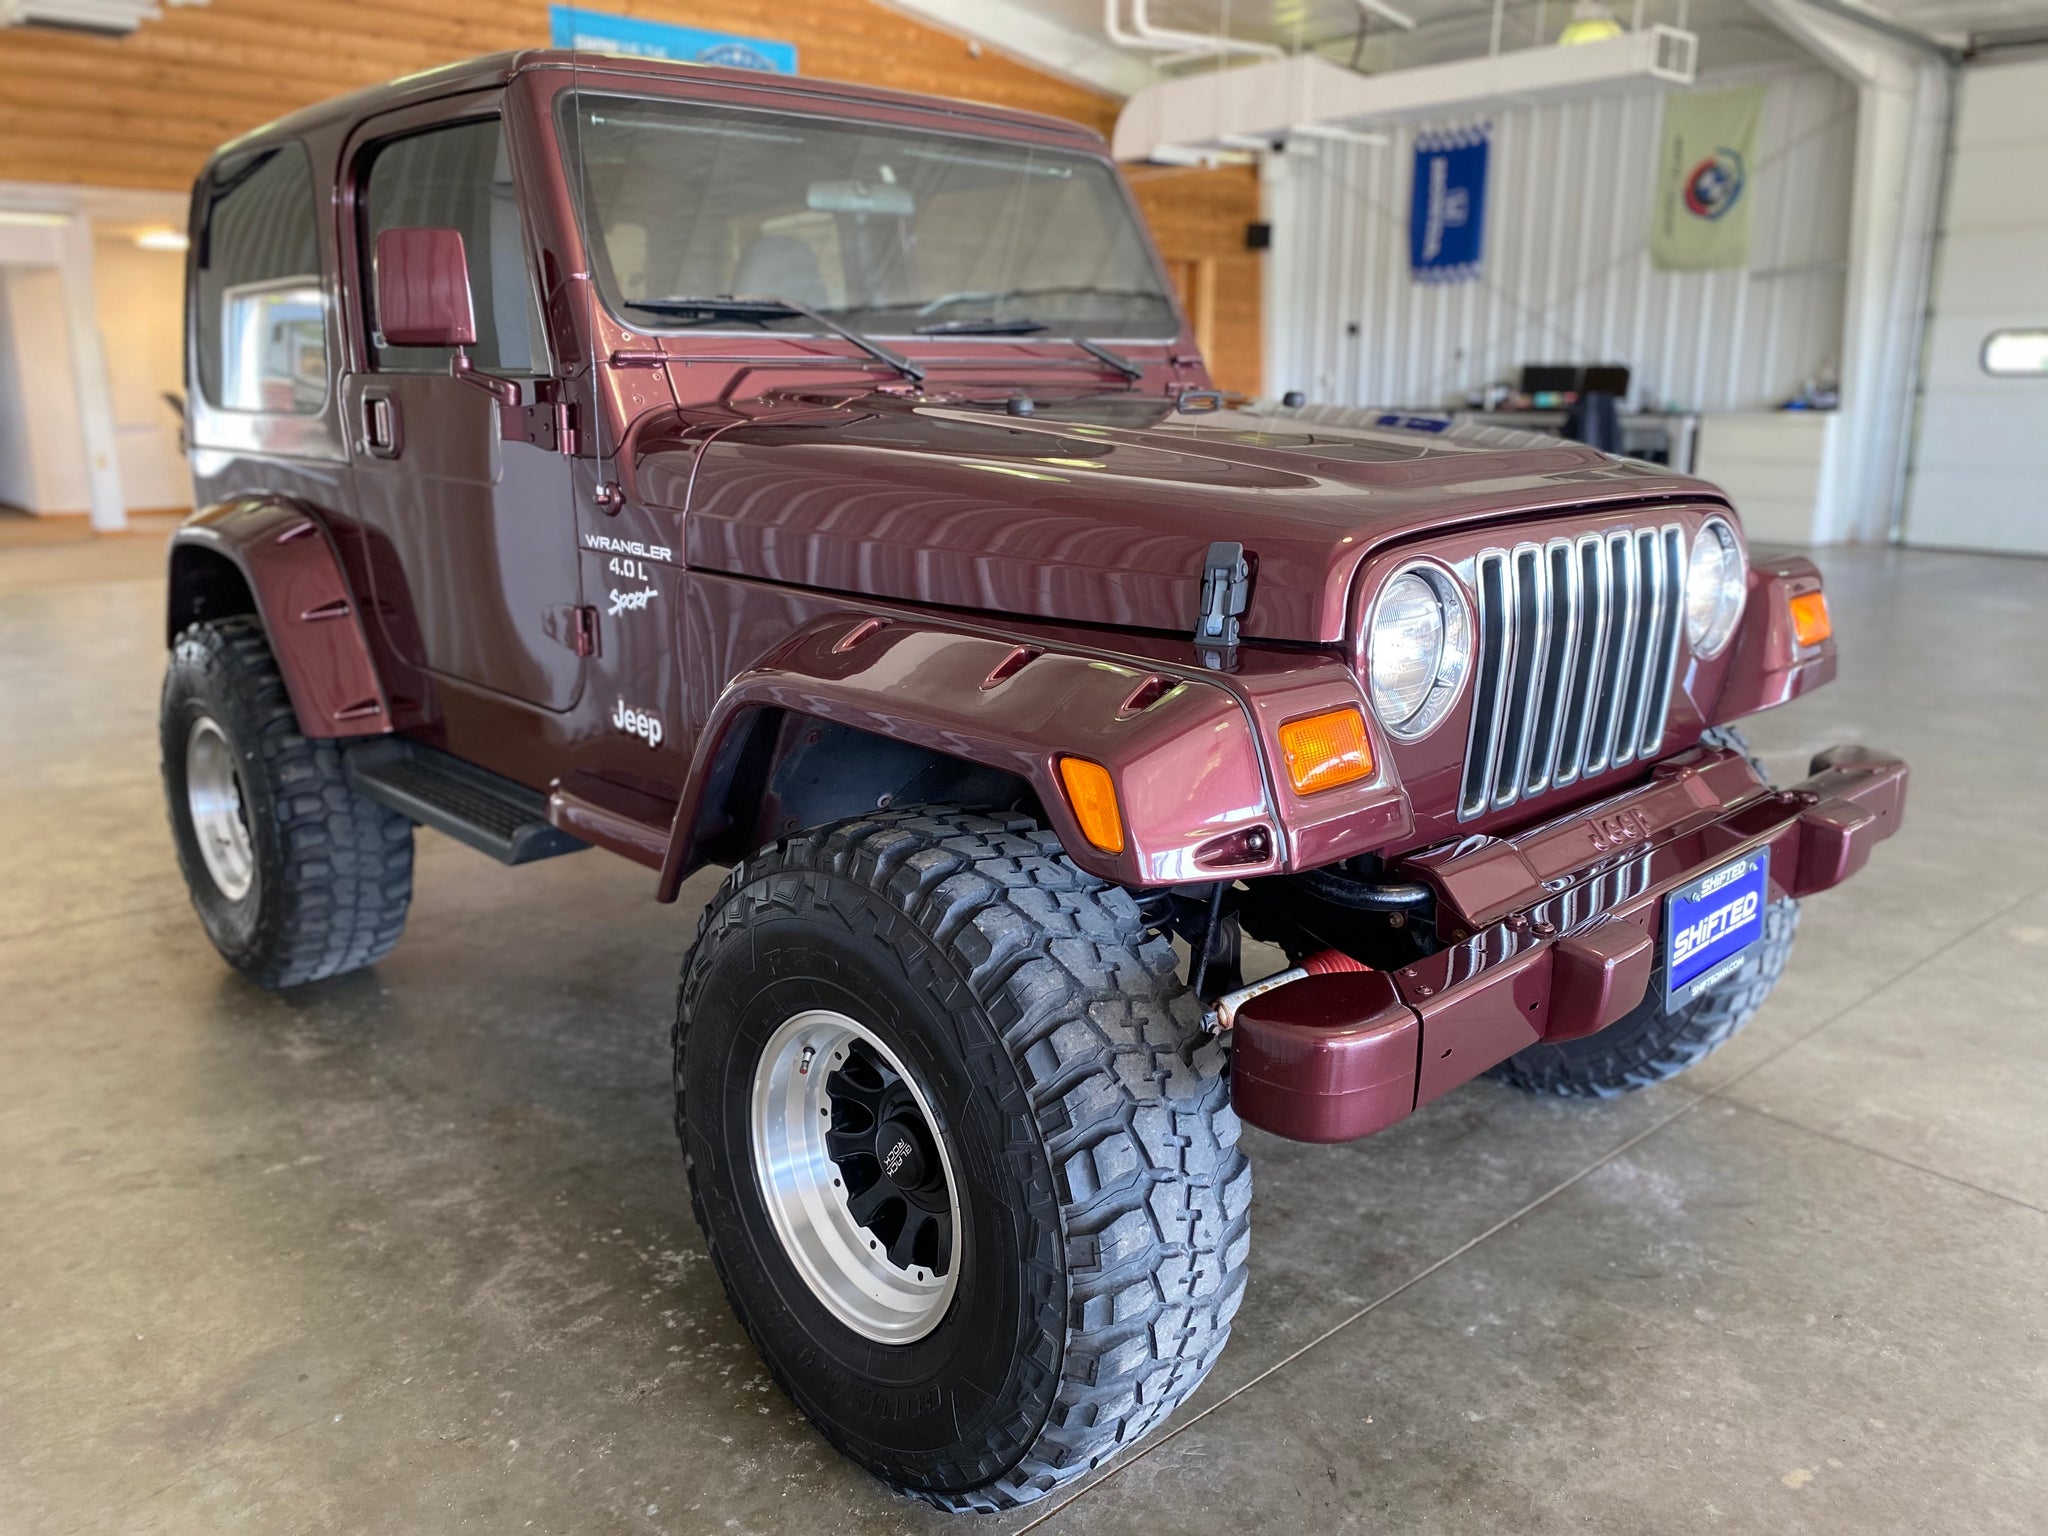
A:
(260, 315)
(457, 177)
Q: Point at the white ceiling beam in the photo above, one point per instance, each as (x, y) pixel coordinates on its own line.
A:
(1271, 99)
(1031, 37)
(1387, 13)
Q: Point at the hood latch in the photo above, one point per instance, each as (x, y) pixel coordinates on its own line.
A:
(1226, 589)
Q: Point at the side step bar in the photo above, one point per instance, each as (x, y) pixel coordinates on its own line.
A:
(472, 805)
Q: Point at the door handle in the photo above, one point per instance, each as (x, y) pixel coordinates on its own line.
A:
(383, 429)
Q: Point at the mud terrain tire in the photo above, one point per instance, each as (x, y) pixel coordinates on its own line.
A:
(1102, 1220)
(1650, 1045)
(322, 876)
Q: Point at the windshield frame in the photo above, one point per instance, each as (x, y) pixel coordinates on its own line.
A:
(566, 132)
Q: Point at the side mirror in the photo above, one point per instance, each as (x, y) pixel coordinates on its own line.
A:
(422, 284)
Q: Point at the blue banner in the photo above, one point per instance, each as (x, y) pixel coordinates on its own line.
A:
(601, 32)
(1447, 220)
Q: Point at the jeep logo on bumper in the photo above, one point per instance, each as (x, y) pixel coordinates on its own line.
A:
(1617, 829)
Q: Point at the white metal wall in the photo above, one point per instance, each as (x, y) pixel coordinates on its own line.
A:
(1980, 457)
(1566, 275)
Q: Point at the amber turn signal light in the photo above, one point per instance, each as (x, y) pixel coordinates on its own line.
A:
(1810, 621)
(1326, 750)
(1092, 794)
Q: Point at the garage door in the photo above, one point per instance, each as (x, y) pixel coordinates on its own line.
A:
(1980, 476)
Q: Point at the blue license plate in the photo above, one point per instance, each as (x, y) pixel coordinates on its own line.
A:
(1710, 924)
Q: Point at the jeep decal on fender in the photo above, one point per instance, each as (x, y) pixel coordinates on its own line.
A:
(637, 722)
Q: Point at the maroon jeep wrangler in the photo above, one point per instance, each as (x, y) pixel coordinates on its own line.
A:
(723, 469)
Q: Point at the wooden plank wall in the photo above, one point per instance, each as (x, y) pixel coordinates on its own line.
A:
(145, 110)
(1199, 218)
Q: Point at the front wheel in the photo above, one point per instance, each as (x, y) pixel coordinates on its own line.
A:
(961, 1151)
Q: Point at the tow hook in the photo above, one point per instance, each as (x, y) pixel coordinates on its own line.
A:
(1326, 962)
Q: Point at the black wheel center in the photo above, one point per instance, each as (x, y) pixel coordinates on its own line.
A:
(902, 1159)
(889, 1165)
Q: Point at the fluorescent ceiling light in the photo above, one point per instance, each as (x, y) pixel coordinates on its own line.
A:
(163, 240)
(47, 218)
(1591, 22)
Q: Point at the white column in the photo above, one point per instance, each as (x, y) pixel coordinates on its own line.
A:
(1902, 108)
(89, 375)
(1279, 306)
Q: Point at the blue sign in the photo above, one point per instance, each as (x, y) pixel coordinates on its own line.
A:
(1447, 219)
(602, 32)
(1710, 924)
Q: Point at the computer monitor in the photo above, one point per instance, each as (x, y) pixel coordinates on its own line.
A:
(1606, 379)
(1549, 378)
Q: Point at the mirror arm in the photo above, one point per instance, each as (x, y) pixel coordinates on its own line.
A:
(504, 391)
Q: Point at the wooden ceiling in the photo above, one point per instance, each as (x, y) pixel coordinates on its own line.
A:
(145, 110)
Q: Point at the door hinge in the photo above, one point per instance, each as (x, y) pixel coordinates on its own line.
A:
(549, 422)
(575, 627)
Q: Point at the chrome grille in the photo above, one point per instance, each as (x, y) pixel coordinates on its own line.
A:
(1577, 643)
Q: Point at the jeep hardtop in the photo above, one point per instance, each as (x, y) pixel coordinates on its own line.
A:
(722, 469)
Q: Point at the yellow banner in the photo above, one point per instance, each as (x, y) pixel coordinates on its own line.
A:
(1704, 171)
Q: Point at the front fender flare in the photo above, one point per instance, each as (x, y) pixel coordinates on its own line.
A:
(1184, 752)
(302, 597)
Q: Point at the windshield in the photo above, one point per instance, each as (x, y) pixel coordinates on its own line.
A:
(888, 230)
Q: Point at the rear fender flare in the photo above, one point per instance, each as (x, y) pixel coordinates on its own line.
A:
(1189, 772)
(300, 594)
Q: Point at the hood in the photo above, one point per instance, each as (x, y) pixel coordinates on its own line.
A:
(1098, 512)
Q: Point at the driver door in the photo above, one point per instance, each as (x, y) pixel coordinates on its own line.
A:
(471, 537)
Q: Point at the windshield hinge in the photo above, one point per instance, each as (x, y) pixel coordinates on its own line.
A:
(1226, 589)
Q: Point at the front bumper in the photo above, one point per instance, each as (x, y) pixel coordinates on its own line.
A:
(1554, 934)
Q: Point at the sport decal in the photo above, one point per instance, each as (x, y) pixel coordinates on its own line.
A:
(629, 602)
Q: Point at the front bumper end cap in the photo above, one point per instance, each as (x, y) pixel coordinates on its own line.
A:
(1326, 1058)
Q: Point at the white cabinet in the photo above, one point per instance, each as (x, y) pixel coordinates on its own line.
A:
(1773, 465)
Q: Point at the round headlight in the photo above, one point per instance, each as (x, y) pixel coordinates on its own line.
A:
(1418, 647)
(1716, 583)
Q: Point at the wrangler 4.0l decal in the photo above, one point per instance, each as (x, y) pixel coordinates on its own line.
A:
(605, 544)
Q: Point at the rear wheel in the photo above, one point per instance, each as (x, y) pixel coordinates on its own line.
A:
(961, 1151)
(294, 875)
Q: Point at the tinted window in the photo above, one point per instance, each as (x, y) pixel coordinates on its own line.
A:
(259, 313)
(457, 178)
(894, 230)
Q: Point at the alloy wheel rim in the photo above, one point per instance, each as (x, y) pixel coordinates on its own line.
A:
(213, 793)
(857, 1180)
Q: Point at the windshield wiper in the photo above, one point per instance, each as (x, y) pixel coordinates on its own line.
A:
(726, 304)
(1024, 325)
(988, 325)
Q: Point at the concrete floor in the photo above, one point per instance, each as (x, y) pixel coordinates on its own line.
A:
(409, 1251)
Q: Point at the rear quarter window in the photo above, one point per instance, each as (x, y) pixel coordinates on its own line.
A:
(259, 310)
